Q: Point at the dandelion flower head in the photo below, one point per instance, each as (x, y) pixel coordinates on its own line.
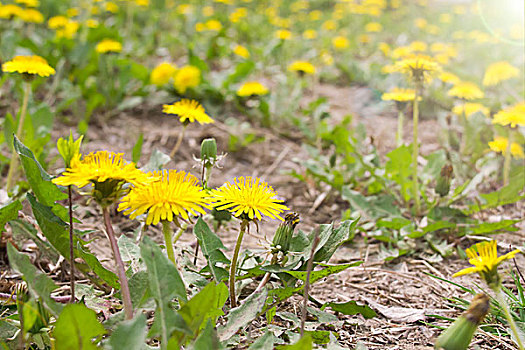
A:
(399, 95)
(302, 67)
(466, 91)
(176, 193)
(108, 45)
(513, 116)
(484, 257)
(34, 65)
(498, 72)
(187, 77)
(162, 73)
(188, 111)
(470, 108)
(418, 67)
(500, 145)
(252, 88)
(99, 167)
(248, 198)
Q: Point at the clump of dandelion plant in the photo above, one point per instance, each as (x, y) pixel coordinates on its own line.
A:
(419, 69)
(29, 67)
(248, 199)
(484, 257)
(188, 112)
(107, 172)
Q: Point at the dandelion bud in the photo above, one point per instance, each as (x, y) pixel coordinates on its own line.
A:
(443, 182)
(69, 148)
(284, 233)
(209, 151)
(459, 334)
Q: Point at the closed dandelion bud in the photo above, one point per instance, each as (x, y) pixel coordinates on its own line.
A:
(69, 148)
(459, 335)
(443, 182)
(209, 151)
(284, 233)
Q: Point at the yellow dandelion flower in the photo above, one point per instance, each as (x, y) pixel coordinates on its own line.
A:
(31, 16)
(34, 65)
(384, 48)
(418, 46)
(248, 198)
(329, 25)
(9, 11)
(283, 34)
(309, 34)
(500, 145)
(373, 27)
(57, 22)
(498, 72)
(340, 42)
(241, 51)
(401, 52)
(399, 95)
(92, 23)
(99, 167)
(420, 68)
(513, 116)
(72, 12)
(188, 111)
(302, 67)
(469, 109)
(213, 25)
(162, 73)
(252, 88)
(484, 257)
(176, 193)
(111, 7)
(68, 31)
(449, 78)
(29, 3)
(187, 77)
(108, 45)
(466, 90)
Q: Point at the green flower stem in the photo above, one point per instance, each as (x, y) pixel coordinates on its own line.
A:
(501, 300)
(507, 161)
(121, 271)
(71, 251)
(400, 122)
(14, 158)
(233, 265)
(415, 153)
(179, 141)
(166, 230)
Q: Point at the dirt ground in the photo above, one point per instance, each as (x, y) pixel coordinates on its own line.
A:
(400, 290)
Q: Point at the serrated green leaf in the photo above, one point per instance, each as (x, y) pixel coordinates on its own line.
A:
(332, 238)
(40, 181)
(305, 343)
(76, 328)
(351, 308)
(109, 277)
(264, 342)
(492, 227)
(243, 314)
(38, 283)
(211, 246)
(9, 212)
(207, 339)
(130, 334)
